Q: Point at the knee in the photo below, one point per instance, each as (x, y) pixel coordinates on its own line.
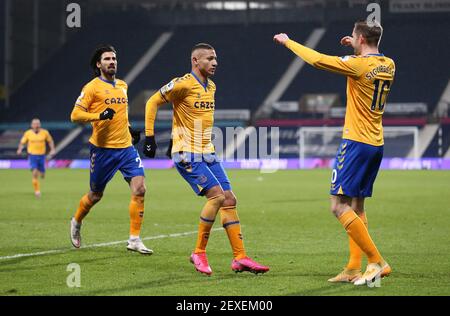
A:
(229, 201)
(358, 211)
(139, 190)
(95, 196)
(336, 209)
(219, 200)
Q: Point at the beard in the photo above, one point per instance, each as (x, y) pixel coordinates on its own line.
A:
(111, 71)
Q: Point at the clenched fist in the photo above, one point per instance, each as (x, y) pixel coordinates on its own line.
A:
(281, 38)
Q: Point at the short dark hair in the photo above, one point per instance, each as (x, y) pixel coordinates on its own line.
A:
(96, 56)
(201, 46)
(372, 33)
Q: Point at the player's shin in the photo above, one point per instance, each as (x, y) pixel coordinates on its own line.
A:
(83, 209)
(354, 262)
(230, 221)
(207, 218)
(36, 185)
(136, 215)
(358, 232)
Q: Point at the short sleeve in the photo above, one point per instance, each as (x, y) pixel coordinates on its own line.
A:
(86, 97)
(24, 139)
(48, 137)
(174, 90)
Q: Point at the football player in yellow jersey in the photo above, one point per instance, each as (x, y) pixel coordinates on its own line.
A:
(369, 78)
(104, 103)
(36, 139)
(193, 153)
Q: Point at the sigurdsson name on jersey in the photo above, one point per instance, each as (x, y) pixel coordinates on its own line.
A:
(380, 69)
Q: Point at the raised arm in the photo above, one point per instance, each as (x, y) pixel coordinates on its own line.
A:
(348, 65)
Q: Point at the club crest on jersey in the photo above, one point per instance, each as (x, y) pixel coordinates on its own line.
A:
(344, 58)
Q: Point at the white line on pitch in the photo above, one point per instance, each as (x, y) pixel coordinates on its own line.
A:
(104, 244)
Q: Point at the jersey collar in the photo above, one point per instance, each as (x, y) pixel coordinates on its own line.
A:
(204, 85)
(380, 54)
(113, 83)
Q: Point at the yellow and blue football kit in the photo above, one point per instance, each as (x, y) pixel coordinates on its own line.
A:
(110, 143)
(194, 157)
(193, 119)
(36, 142)
(111, 150)
(193, 113)
(36, 147)
(369, 79)
(96, 97)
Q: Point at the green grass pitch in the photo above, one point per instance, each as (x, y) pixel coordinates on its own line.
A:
(286, 224)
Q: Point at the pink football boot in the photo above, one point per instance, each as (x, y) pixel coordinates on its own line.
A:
(248, 264)
(200, 262)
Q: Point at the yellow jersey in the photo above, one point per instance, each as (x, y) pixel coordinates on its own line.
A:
(96, 96)
(369, 80)
(36, 142)
(193, 113)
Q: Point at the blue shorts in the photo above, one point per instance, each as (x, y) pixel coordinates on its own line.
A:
(355, 169)
(37, 162)
(201, 171)
(106, 161)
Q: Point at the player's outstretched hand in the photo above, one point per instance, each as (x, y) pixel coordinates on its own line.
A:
(135, 135)
(107, 114)
(346, 41)
(150, 146)
(169, 149)
(281, 38)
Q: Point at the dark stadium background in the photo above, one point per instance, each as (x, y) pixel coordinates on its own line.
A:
(44, 64)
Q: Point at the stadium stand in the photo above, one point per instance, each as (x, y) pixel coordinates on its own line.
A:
(52, 90)
(9, 139)
(440, 143)
(412, 70)
(247, 69)
(250, 65)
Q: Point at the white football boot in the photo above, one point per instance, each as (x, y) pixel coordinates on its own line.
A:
(373, 271)
(136, 244)
(75, 235)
